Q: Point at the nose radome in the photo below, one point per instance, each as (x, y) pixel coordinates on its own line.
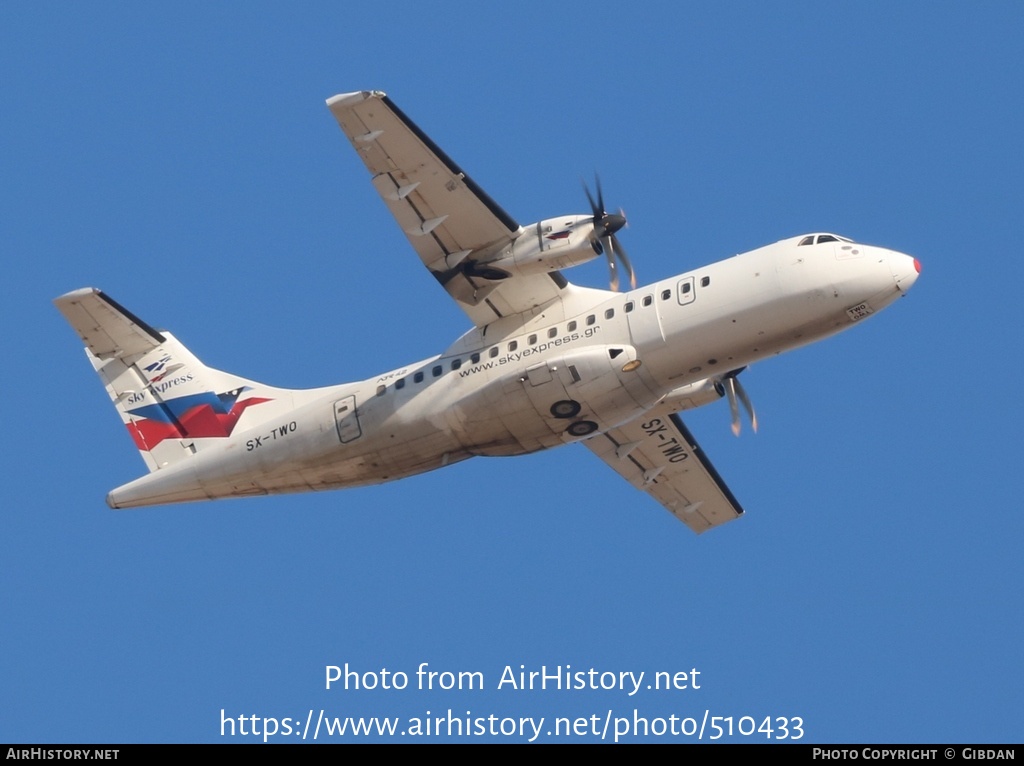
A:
(905, 270)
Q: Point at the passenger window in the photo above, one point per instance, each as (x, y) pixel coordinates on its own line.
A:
(591, 319)
(474, 358)
(648, 300)
(417, 378)
(381, 390)
(571, 326)
(493, 352)
(609, 313)
(666, 294)
(532, 339)
(400, 383)
(513, 345)
(686, 287)
(552, 332)
(629, 306)
(705, 281)
(456, 364)
(436, 372)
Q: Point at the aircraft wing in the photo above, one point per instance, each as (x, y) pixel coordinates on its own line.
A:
(656, 453)
(450, 221)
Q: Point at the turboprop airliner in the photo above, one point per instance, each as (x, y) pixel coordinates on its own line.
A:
(546, 362)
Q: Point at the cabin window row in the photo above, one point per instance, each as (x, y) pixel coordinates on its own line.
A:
(552, 332)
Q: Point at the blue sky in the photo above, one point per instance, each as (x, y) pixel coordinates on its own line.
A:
(184, 161)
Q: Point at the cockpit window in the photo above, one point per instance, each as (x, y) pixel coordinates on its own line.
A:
(819, 239)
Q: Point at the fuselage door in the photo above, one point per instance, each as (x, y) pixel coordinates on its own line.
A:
(645, 321)
(347, 420)
(686, 291)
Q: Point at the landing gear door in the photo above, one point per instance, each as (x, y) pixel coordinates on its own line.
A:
(347, 420)
(545, 391)
(539, 374)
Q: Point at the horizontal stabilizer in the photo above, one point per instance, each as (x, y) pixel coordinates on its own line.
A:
(107, 328)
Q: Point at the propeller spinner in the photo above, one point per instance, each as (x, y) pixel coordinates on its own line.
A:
(604, 239)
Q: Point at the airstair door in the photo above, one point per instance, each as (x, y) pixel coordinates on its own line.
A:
(347, 420)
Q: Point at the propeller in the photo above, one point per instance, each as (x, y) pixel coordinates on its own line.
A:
(731, 388)
(604, 239)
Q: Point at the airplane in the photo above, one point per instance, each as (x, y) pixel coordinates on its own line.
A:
(546, 362)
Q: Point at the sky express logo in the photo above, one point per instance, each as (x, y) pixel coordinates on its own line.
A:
(193, 416)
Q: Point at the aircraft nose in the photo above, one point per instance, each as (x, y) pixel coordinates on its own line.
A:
(905, 270)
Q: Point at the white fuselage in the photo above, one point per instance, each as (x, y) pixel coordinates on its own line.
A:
(493, 391)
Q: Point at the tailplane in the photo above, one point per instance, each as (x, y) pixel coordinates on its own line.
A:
(171, 403)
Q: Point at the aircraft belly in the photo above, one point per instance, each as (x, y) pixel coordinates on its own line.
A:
(501, 420)
(531, 407)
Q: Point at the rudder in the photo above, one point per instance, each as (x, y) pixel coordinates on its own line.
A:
(171, 403)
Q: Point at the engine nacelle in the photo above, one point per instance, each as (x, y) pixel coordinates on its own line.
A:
(694, 395)
(548, 245)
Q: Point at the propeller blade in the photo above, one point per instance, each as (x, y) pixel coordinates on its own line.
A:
(593, 205)
(734, 409)
(603, 238)
(627, 264)
(613, 269)
(746, 404)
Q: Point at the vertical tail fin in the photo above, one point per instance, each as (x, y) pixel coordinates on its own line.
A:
(171, 403)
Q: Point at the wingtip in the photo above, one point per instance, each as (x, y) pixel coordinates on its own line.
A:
(81, 292)
(343, 100)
